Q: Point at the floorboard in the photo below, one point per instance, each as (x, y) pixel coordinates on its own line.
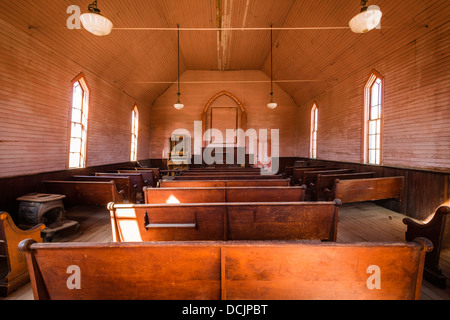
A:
(360, 222)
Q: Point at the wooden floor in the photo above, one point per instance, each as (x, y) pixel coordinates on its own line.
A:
(357, 223)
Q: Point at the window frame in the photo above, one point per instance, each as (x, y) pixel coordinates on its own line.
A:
(314, 128)
(84, 121)
(134, 133)
(368, 88)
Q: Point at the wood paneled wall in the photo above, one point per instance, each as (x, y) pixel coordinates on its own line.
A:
(252, 88)
(35, 97)
(416, 107)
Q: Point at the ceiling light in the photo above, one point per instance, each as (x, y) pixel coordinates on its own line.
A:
(271, 104)
(178, 105)
(369, 18)
(94, 22)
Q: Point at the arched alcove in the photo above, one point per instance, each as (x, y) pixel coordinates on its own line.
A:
(218, 111)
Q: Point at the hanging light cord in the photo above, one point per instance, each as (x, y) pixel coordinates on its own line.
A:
(271, 63)
(178, 57)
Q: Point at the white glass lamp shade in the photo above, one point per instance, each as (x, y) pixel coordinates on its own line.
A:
(178, 105)
(96, 24)
(272, 105)
(365, 21)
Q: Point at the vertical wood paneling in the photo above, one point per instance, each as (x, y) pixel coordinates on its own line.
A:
(200, 86)
(416, 107)
(35, 97)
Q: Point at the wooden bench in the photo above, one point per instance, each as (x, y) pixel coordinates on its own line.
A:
(137, 180)
(228, 173)
(147, 176)
(85, 192)
(226, 271)
(225, 221)
(156, 171)
(221, 194)
(297, 173)
(122, 182)
(289, 170)
(321, 189)
(228, 177)
(359, 190)
(13, 265)
(223, 183)
(309, 177)
(437, 230)
(226, 169)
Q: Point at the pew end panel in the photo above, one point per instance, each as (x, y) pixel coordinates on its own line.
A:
(437, 230)
(371, 189)
(85, 192)
(325, 182)
(229, 271)
(14, 261)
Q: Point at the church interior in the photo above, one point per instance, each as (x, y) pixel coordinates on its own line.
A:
(224, 150)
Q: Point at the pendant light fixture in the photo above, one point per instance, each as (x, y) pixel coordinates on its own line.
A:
(271, 104)
(369, 18)
(178, 105)
(94, 22)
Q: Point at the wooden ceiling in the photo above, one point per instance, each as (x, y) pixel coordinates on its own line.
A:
(143, 62)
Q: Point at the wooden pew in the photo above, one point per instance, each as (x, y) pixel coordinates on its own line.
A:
(309, 177)
(85, 192)
(156, 171)
(122, 182)
(437, 229)
(13, 265)
(289, 170)
(137, 179)
(148, 177)
(231, 173)
(298, 173)
(225, 221)
(226, 169)
(223, 183)
(228, 177)
(359, 190)
(321, 190)
(226, 271)
(221, 194)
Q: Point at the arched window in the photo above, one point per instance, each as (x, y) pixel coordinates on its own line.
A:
(314, 129)
(373, 101)
(79, 123)
(134, 133)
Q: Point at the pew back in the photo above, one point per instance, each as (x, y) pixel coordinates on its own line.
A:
(122, 183)
(227, 271)
(223, 183)
(325, 182)
(85, 192)
(311, 176)
(228, 177)
(368, 189)
(297, 173)
(225, 221)
(229, 194)
(147, 176)
(16, 273)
